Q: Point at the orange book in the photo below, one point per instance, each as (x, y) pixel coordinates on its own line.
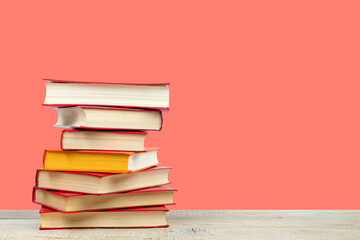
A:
(97, 161)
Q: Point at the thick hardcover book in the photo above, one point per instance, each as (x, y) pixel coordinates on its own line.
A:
(67, 202)
(71, 93)
(146, 217)
(97, 161)
(101, 183)
(122, 141)
(86, 117)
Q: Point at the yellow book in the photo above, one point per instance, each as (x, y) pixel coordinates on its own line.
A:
(95, 161)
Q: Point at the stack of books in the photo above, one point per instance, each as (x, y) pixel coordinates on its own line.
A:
(103, 176)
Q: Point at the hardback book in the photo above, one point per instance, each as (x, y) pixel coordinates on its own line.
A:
(101, 183)
(76, 202)
(146, 217)
(108, 118)
(73, 139)
(70, 93)
(97, 161)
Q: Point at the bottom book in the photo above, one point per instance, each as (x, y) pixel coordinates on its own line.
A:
(146, 217)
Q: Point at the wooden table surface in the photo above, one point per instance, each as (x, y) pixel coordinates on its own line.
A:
(204, 224)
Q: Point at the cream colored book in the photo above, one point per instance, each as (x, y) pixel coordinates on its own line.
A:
(101, 183)
(146, 217)
(108, 118)
(73, 139)
(76, 202)
(70, 93)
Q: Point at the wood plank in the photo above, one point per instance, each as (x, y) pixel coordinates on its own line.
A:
(204, 224)
(16, 214)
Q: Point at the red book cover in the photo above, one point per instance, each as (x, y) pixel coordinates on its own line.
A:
(103, 150)
(116, 108)
(98, 175)
(72, 194)
(152, 208)
(45, 210)
(72, 81)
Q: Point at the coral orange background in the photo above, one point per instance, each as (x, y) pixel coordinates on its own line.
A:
(264, 95)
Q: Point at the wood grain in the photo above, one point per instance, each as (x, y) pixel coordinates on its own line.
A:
(204, 224)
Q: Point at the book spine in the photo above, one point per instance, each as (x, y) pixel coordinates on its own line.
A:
(44, 157)
(34, 195)
(37, 177)
(161, 117)
(61, 139)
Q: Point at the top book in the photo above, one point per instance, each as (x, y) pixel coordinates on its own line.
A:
(70, 93)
